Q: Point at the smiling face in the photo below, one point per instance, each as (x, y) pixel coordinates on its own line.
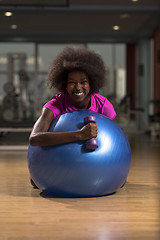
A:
(78, 88)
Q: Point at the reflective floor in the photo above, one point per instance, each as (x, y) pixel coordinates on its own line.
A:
(130, 214)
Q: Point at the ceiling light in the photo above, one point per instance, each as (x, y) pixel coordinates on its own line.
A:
(124, 15)
(134, 0)
(8, 14)
(115, 27)
(13, 26)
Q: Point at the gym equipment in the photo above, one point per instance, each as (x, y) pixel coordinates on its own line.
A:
(72, 170)
(91, 143)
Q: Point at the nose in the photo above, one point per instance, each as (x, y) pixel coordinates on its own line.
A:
(78, 86)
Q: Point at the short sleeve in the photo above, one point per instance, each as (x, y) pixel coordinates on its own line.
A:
(55, 105)
(108, 110)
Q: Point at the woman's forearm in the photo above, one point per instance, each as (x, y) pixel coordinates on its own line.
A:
(54, 138)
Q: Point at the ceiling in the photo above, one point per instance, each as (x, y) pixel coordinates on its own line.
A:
(78, 20)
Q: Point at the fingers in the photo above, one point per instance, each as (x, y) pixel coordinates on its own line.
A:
(89, 131)
(93, 130)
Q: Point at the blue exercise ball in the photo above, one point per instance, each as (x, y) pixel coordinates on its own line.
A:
(72, 170)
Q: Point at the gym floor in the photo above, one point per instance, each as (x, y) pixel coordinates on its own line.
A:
(130, 214)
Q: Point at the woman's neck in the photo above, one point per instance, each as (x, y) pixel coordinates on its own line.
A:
(82, 105)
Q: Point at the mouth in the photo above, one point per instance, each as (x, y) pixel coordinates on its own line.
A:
(78, 94)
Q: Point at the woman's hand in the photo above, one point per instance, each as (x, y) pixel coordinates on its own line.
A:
(88, 131)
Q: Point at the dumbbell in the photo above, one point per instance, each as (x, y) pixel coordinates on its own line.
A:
(91, 143)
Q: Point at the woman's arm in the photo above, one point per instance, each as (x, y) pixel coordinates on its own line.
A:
(41, 137)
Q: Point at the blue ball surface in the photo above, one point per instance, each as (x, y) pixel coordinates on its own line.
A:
(71, 170)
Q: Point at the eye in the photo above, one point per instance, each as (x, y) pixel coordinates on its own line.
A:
(71, 82)
(84, 81)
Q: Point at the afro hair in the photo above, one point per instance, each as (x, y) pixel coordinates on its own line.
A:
(82, 60)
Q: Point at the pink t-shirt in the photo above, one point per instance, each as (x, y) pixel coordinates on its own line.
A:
(60, 104)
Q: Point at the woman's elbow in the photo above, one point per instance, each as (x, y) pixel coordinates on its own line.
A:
(32, 141)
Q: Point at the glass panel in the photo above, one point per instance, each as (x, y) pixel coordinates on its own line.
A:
(16, 78)
(114, 59)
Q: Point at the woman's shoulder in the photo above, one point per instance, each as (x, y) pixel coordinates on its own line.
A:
(103, 105)
(57, 97)
(56, 104)
(99, 98)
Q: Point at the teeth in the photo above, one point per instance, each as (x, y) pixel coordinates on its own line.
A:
(78, 94)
